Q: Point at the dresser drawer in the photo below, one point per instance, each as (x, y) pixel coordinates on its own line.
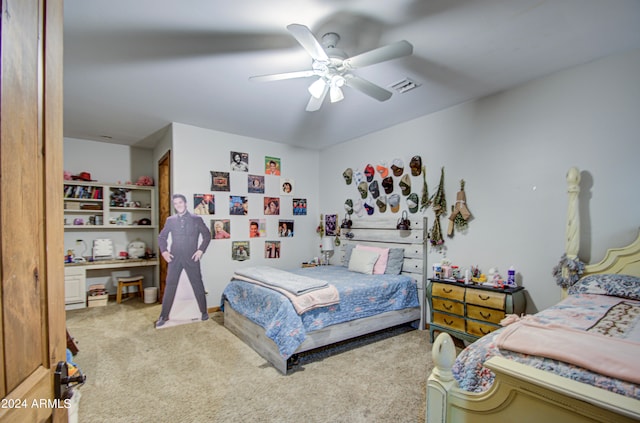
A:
(447, 291)
(448, 306)
(486, 314)
(445, 320)
(485, 298)
(479, 329)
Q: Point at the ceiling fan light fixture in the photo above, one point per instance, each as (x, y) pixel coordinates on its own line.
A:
(331, 65)
(335, 94)
(337, 81)
(317, 88)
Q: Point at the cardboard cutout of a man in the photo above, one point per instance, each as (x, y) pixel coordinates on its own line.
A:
(190, 238)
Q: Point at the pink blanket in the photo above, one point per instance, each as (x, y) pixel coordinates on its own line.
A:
(308, 301)
(605, 355)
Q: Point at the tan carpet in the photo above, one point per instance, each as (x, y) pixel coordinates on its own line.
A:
(201, 372)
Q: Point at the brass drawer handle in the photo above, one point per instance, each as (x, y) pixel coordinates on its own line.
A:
(449, 323)
(487, 316)
(447, 306)
(447, 291)
(483, 331)
(483, 298)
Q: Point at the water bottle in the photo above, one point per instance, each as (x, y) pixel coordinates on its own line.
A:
(511, 276)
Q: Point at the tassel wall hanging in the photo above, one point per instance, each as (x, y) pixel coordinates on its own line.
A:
(460, 213)
(424, 201)
(439, 208)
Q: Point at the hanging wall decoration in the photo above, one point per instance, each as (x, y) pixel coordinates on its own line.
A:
(272, 249)
(285, 228)
(460, 214)
(272, 165)
(382, 169)
(204, 204)
(439, 208)
(240, 250)
(330, 224)
(348, 176)
(320, 228)
(286, 186)
(257, 228)
(425, 201)
(271, 206)
(255, 184)
(221, 229)
(238, 205)
(220, 181)
(299, 206)
(239, 161)
(415, 165)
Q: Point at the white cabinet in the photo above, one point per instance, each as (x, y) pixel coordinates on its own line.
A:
(74, 288)
(95, 213)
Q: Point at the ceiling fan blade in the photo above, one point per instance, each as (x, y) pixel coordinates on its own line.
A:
(335, 94)
(368, 88)
(381, 54)
(281, 76)
(307, 40)
(316, 102)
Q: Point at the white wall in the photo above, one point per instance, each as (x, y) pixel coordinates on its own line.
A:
(107, 162)
(196, 152)
(513, 150)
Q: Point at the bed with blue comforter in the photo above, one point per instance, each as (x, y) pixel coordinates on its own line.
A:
(360, 296)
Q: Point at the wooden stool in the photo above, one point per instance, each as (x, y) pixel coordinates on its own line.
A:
(130, 281)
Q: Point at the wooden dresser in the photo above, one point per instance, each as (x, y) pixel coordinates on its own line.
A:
(469, 312)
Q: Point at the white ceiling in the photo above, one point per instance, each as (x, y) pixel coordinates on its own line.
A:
(133, 66)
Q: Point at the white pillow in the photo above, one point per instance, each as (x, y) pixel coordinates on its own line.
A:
(362, 261)
(381, 264)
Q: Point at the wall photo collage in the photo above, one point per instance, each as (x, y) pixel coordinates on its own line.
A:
(250, 206)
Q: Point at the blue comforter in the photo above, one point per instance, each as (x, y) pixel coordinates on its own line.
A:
(360, 296)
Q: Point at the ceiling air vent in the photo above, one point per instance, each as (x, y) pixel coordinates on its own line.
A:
(404, 85)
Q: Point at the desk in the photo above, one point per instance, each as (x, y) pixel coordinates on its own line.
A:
(75, 277)
(113, 264)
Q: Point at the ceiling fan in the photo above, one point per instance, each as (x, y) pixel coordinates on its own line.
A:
(333, 67)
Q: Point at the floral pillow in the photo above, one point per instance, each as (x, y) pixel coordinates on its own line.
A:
(624, 286)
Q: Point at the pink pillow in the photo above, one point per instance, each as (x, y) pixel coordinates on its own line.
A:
(381, 264)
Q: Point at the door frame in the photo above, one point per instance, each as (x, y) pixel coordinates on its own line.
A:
(164, 209)
(32, 327)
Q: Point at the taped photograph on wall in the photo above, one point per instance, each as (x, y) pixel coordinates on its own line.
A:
(238, 205)
(285, 228)
(221, 229)
(272, 166)
(272, 249)
(239, 161)
(299, 206)
(257, 228)
(240, 250)
(271, 205)
(255, 184)
(204, 204)
(286, 186)
(220, 181)
(330, 221)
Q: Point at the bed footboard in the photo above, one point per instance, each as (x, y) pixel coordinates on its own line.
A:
(253, 335)
(519, 393)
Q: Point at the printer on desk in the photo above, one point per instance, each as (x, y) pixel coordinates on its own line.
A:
(102, 249)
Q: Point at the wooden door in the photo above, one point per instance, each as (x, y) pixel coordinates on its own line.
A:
(32, 327)
(164, 207)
